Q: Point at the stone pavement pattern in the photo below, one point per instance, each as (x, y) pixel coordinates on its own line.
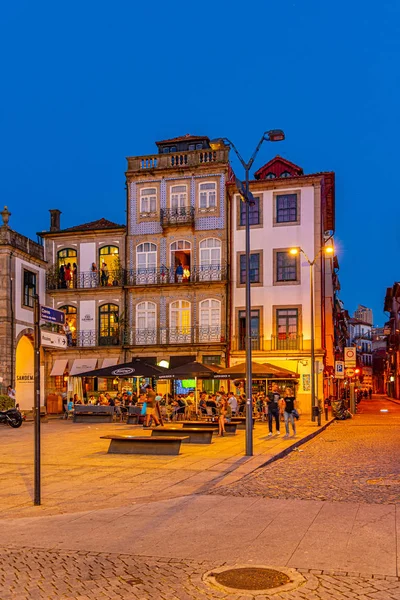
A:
(351, 461)
(109, 525)
(31, 574)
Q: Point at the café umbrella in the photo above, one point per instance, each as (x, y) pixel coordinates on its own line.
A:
(193, 370)
(260, 371)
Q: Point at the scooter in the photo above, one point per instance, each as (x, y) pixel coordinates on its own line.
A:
(11, 417)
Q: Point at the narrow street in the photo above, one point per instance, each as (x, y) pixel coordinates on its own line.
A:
(351, 461)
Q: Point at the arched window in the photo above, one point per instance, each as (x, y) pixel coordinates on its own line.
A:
(108, 251)
(180, 321)
(146, 323)
(207, 195)
(270, 176)
(285, 174)
(108, 324)
(70, 323)
(210, 259)
(178, 196)
(210, 320)
(67, 259)
(146, 263)
(148, 200)
(180, 261)
(109, 266)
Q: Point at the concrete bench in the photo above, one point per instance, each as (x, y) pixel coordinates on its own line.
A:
(128, 444)
(229, 427)
(88, 413)
(191, 435)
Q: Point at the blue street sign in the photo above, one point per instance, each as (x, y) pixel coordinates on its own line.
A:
(52, 315)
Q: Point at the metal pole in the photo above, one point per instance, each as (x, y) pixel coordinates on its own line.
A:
(312, 342)
(249, 381)
(36, 314)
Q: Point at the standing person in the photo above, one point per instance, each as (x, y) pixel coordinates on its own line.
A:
(150, 407)
(233, 403)
(61, 276)
(93, 275)
(67, 275)
(104, 274)
(289, 407)
(74, 275)
(68, 333)
(179, 273)
(222, 411)
(273, 409)
(11, 393)
(370, 393)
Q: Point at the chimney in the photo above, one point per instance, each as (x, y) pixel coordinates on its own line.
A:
(55, 219)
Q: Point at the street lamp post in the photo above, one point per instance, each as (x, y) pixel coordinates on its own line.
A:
(275, 135)
(295, 251)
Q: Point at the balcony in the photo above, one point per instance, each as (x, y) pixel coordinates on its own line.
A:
(91, 338)
(275, 344)
(175, 217)
(175, 335)
(177, 160)
(164, 276)
(85, 280)
(286, 342)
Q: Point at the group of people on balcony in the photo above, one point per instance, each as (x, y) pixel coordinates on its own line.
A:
(182, 273)
(68, 277)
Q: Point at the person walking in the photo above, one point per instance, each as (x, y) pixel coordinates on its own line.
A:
(288, 412)
(150, 407)
(370, 393)
(273, 413)
(222, 411)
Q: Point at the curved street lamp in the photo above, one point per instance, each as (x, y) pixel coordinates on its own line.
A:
(329, 250)
(274, 135)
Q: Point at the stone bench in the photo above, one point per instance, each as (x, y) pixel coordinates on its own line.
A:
(128, 444)
(229, 427)
(87, 413)
(190, 435)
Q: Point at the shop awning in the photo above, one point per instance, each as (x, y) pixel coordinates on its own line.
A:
(59, 367)
(110, 362)
(83, 364)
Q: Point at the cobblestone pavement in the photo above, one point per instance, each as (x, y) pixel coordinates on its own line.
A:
(351, 461)
(31, 574)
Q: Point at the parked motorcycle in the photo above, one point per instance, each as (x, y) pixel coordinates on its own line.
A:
(11, 417)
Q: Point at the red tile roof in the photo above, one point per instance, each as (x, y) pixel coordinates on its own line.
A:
(183, 138)
(95, 225)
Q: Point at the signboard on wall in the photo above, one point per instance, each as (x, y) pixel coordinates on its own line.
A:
(53, 340)
(350, 356)
(339, 369)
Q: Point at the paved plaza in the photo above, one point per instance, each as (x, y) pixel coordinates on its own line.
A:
(122, 527)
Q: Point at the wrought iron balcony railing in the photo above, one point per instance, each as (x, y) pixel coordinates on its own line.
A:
(287, 342)
(90, 338)
(177, 216)
(174, 335)
(85, 280)
(164, 275)
(238, 343)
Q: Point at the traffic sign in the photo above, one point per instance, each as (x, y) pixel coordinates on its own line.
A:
(350, 356)
(53, 340)
(350, 372)
(339, 369)
(52, 315)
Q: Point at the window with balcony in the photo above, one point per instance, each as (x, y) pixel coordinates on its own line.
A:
(210, 259)
(148, 201)
(146, 323)
(108, 325)
(254, 268)
(181, 261)
(67, 259)
(210, 321)
(29, 282)
(70, 323)
(178, 197)
(254, 216)
(207, 196)
(254, 330)
(180, 322)
(286, 209)
(286, 267)
(287, 328)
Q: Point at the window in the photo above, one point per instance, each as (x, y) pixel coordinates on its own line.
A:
(108, 324)
(148, 200)
(286, 267)
(270, 176)
(180, 321)
(180, 261)
(192, 147)
(286, 208)
(254, 268)
(65, 256)
(146, 261)
(29, 288)
(146, 329)
(210, 259)
(254, 212)
(254, 329)
(211, 359)
(70, 322)
(285, 174)
(287, 329)
(178, 196)
(210, 321)
(108, 251)
(208, 195)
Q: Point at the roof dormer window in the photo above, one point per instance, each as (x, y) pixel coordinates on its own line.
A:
(270, 176)
(285, 174)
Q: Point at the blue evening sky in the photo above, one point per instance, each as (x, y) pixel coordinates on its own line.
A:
(86, 83)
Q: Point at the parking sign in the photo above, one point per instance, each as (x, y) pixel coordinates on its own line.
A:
(339, 369)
